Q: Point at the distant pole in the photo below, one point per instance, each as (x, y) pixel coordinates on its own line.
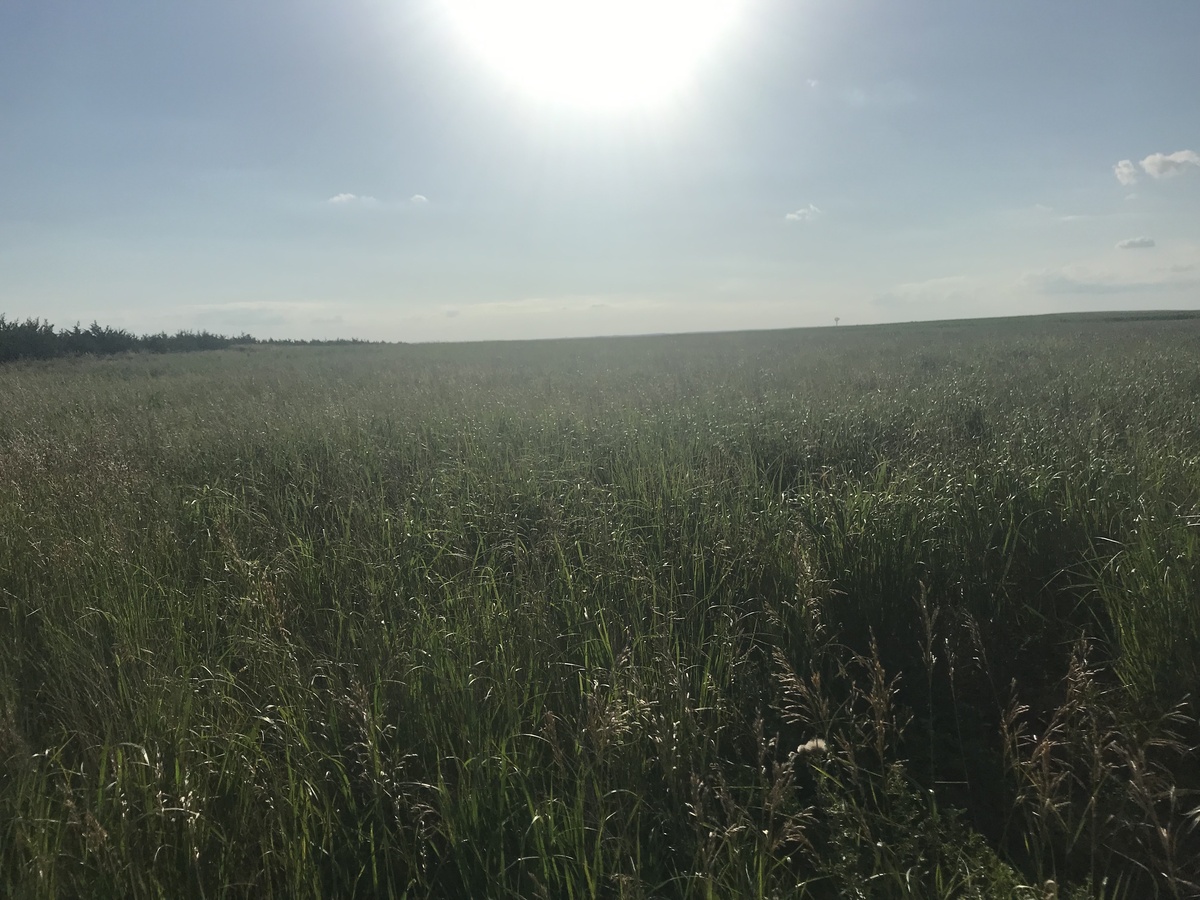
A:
(836, 320)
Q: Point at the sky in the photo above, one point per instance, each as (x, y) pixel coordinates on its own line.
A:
(381, 170)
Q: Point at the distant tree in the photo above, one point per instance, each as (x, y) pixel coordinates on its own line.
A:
(35, 339)
(31, 339)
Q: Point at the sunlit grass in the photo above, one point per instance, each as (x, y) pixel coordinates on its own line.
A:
(884, 612)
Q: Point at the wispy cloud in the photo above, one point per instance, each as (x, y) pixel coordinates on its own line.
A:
(1137, 243)
(1066, 283)
(1082, 280)
(1126, 172)
(803, 214)
(418, 199)
(1157, 165)
(265, 318)
(352, 200)
(888, 94)
(950, 288)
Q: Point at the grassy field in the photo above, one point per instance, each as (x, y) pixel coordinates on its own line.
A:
(907, 611)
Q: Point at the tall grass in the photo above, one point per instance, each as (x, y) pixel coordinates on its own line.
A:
(904, 612)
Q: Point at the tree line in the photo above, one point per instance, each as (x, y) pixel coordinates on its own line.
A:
(38, 339)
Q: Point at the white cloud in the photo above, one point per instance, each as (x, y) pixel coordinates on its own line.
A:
(351, 199)
(418, 199)
(803, 214)
(1165, 165)
(1137, 243)
(1157, 165)
(1126, 172)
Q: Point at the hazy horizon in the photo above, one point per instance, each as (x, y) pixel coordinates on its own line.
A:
(382, 171)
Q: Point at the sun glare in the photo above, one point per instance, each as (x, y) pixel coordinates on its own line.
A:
(598, 54)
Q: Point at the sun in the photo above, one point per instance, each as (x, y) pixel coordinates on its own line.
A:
(594, 54)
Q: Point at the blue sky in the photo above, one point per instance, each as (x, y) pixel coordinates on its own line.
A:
(297, 168)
